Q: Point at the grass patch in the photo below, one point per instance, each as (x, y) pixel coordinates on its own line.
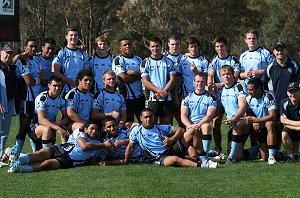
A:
(245, 179)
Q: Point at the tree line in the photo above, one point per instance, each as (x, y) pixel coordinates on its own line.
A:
(140, 19)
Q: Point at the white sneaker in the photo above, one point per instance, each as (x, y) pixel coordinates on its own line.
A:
(215, 159)
(271, 160)
(209, 164)
(15, 168)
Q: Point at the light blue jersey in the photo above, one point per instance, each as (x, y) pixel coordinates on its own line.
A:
(122, 64)
(198, 104)
(184, 69)
(218, 62)
(71, 62)
(81, 157)
(107, 101)
(46, 66)
(32, 67)
(158, 71)
(261, 107)
(50, 105)
(99, 65)
(80, 102)
(175, 58)
(151, 140)
(229, 98)
(77, 133)
(258, 59)
(119, 153)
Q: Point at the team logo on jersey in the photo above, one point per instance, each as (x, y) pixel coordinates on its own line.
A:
(152, 67)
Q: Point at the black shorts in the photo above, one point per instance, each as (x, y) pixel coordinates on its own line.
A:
(161, 108)
(34, 138)
(135, 105)
(27, 109)
(262, 135)
(294, 135)
(58, 153)
(176, 149)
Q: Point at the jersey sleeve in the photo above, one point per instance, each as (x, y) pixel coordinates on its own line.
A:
(144, 68)
(85, 59)
(40, 103)
(72, 99)
(97, 103)
(166, 129)
(212, 103)
(185, 102)
(133, 137)
(22, 67)
(59, 58)
(118, 65)
(271, 105)
(240, 90)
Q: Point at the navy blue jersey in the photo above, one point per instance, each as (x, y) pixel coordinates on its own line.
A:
(281, 76)
(291, 111)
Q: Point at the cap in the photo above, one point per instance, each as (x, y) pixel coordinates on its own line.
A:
(7, 48)
(279, 44)
(293, 86)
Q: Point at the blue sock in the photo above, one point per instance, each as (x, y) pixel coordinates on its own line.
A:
(26, 169)
(234, 149)
(24, 158)
(206, 146)
(20, 143)
(272, 152)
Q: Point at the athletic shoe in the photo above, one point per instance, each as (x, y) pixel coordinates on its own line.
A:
(15, 168)
(2, 164)
(214, 152)
(14, 154)
(230, 161)
(290, 159)
(215, 159)
(209, 164)
(271, 160)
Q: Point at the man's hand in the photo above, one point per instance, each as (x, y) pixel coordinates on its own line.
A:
(167, 141)
(118, 143)
(107, 144)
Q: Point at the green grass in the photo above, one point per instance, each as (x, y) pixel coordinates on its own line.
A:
(245, 179)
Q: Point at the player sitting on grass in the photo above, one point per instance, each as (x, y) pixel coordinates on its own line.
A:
(63, 156)
(119, 141)
(164, 144)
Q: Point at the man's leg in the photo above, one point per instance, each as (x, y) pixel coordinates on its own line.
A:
(288, 145)
(217, 122)
(44, 133)
(271, 141)
(206, 139)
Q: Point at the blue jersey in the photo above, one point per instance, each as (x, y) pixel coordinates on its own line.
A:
(99, 65)
(158, 71)
(119, 153)
(46, 66)
(261, 107)
(80, 102)
(107, 101)
(218, 62)
(198, 104)
(32, 67)
(258, 59)
(50, 105)
(81, 157)
(151, 140)
(122, 64)
(71, 62)
(174, 58)
(184, 69)
(229, 98)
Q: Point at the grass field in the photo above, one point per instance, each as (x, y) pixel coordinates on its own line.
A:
(245, 179)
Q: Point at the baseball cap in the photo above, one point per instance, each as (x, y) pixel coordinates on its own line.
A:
(7, 48)
(293, 86)
(279, 44)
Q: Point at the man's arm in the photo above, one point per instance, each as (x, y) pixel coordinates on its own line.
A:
(130, 76)
(123, 118)
(56, 71)
(240, 113)
(149, 85)
(97, 115)
(184, 117)
(74, 116)
(270, 117)
(89, 146)
(209, 116)
(128, 152)
(174, 136)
